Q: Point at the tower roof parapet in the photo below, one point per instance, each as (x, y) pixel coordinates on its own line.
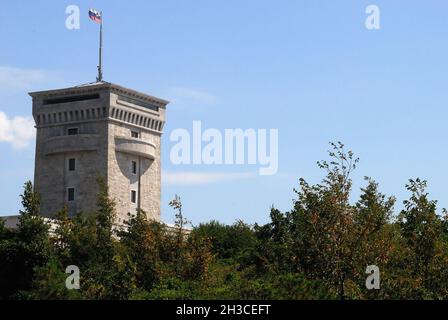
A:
(96, 87)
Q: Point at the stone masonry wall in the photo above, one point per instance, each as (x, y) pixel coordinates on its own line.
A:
(120, 177)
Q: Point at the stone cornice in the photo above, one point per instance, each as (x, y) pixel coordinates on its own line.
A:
(76, 122)
(100, 86)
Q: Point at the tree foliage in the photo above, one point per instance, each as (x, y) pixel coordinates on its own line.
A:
(317, 250)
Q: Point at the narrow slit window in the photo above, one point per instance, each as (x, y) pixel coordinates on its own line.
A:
(72, 131)
(71, 194)
(72, 164)
(134, 196)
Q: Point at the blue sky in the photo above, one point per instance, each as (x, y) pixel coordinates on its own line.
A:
(307, 68)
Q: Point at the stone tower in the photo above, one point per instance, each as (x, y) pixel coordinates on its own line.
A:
(98, 130)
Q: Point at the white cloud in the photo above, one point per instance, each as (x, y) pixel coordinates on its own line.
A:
(17, 131)
(187, 178)
(185, 95)
(17, 80)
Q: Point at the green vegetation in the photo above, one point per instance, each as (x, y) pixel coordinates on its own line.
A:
(318, 250)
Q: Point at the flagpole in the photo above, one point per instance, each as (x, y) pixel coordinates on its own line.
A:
(100, 66)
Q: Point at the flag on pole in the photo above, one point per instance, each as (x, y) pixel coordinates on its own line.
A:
(95, 15)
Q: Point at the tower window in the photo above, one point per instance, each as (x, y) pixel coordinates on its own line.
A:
(71, 164)
(72, 99)
(134, 134)
(72, 131)
(133, 196)
(71, 194)
(134, 167)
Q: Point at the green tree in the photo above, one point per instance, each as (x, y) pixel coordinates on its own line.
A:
(324, 237)
(422, 229)
(375, 239)
(323, 222)
(25, 249)
(231, 242)
(145, 242)
(105, 218)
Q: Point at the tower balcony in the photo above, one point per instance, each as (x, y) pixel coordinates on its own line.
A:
(72, 143)
(135, 146)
